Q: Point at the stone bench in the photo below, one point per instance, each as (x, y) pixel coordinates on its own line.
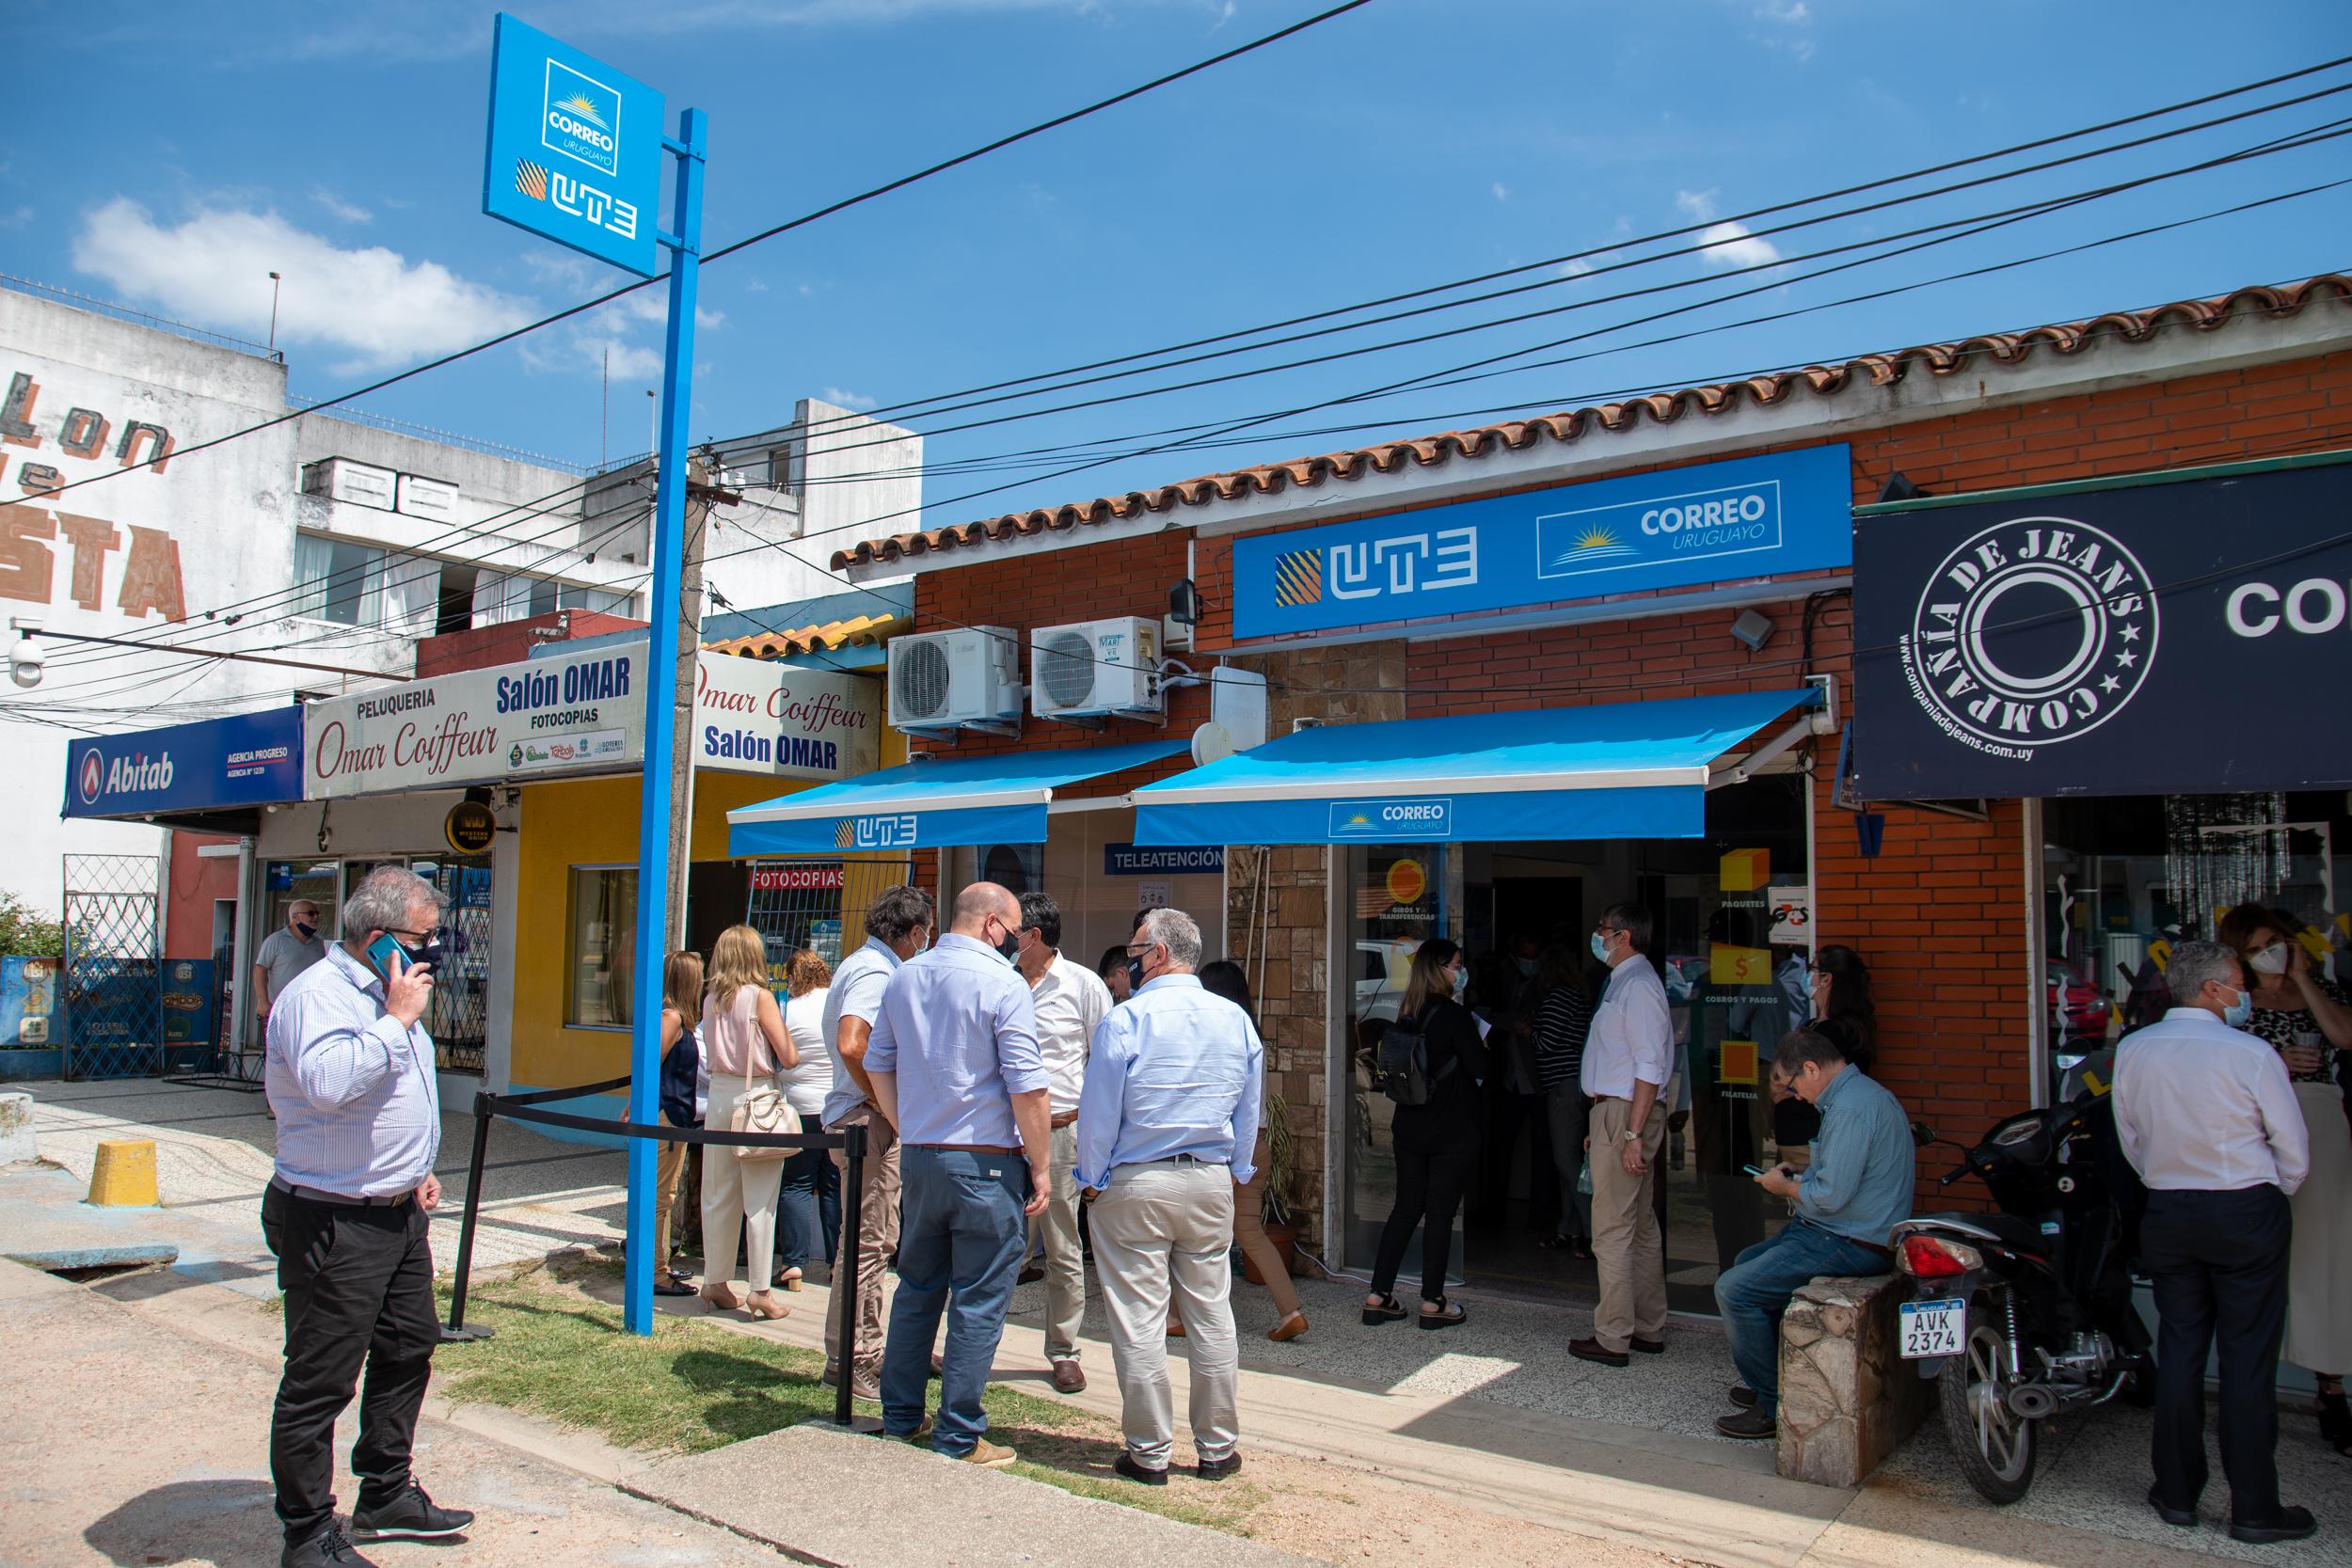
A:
(1847, 1397)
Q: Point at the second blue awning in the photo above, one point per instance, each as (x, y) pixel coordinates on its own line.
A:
(1618, 770)
(931, 802)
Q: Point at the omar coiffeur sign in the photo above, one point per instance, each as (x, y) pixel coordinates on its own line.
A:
(2152, 639)
(574, 149)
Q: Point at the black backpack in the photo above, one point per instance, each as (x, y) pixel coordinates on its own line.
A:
(1404, 1064)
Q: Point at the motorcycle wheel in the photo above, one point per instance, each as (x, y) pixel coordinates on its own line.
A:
(1994, 1446)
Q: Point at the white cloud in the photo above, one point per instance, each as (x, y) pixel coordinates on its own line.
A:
(1795, 21)
(1735, 247)
(840, 399)
(1788, 13)
(1502, 192)
(629, 361)
(339, 207)
(215, 269)
(1699, 204)
(16, 217)
(1575, 268)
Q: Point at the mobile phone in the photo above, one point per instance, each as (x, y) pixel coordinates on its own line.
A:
(1751, 1170)
(382, 951)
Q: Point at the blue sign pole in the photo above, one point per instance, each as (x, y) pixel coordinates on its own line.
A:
(653, 821)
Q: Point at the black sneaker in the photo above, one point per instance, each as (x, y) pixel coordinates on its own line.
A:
(1750, 1423)
(2290, 1524)
(1218, 1469)
(1125, 1464)
(409, 1517)
(328, 1548)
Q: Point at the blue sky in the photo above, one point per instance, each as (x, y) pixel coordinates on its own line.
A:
(167, 156)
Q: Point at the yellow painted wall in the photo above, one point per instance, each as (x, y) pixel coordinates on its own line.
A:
(593, 822)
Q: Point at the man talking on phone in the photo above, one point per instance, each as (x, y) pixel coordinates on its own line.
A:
(350, 1075)
(1848, 1202)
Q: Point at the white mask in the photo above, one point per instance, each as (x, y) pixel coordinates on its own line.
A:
(2272, 959)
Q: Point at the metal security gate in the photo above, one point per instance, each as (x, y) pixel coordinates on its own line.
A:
(817, 904)
(113, 993)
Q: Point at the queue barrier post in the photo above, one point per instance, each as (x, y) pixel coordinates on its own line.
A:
(456, 1331)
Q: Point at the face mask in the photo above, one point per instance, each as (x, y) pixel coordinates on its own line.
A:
(1009, 945)
(1135, 976)
(2238, 1013)
(1461, 981)
(1600, 947)
(1527, 968)
(2272, 959)
(306, 931)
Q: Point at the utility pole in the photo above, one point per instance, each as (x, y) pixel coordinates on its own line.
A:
(701, 496)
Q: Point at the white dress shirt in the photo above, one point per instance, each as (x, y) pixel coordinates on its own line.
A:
(1633, 1035)
(807, 1087)
(1175, 1071)
(2203, 1107)
(359, 1108)
(1072, 1002)
(856, 993)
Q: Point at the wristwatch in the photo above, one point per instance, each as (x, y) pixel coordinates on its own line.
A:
(1631, 1136)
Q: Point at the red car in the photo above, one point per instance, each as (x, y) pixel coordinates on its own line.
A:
(2076, 1006)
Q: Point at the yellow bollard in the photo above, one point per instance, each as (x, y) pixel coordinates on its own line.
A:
(124, 1176)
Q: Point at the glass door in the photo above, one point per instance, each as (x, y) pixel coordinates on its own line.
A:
(1393, 899)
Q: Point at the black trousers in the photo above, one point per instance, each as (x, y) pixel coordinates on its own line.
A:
(1429, 1186)
(2219, 1262)
(358, 1289)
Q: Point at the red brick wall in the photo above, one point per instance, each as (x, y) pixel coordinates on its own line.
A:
(511, 642)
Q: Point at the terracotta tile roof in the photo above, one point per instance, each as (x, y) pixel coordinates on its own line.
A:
(1936, 360)
(857, 633)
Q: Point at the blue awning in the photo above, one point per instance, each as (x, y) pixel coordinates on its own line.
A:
(931, 802)
(1620, 770)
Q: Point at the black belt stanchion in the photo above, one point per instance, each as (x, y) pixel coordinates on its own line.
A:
(521, 1107)
(844, 1267)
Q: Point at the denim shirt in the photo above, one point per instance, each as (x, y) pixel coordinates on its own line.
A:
(1865, 1165)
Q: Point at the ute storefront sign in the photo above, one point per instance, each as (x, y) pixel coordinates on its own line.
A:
(2159, 636)
(249, 760)
(1683, 527)
(754, 716)
(542, 715)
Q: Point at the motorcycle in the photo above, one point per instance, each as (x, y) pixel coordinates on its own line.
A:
(2021, 1314)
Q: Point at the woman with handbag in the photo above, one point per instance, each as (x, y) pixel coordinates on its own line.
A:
(746, 1045)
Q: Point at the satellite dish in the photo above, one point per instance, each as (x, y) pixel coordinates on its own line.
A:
(1211, 742)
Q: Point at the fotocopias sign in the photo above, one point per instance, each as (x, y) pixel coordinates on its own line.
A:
(2149, 638)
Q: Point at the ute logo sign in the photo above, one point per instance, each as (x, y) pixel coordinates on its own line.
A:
(2032, 632)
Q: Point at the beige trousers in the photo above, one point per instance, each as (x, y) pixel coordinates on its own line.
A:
(738, 1193)
(1629, 1253)
(1162, 1231)
(1249, 1230)
(878, 1235)
(668, 1166)
(1065, 1256)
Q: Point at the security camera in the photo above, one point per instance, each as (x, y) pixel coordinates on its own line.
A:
(28, 659)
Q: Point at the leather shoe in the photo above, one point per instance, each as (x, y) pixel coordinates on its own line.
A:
(1741, 1395)
(1125, 1464)
(1031, 1274)
(408, 1515)
(1218, 1469)
(2291, 1524)
(1648, 1347)
(2185, 1518)
(1594, 1351)
(327, 1548)
(1069, 1378)
(1747, 1423)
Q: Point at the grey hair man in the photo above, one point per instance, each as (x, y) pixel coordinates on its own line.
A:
(1168, 1125)
(896, 928)
(2207, 1116)
(286, 953)
(350, 1077)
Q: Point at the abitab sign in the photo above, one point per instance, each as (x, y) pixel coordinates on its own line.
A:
(575, 149)
(249, 760)
(1684, 528)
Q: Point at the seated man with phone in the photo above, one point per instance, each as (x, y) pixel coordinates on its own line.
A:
(1847, 1201)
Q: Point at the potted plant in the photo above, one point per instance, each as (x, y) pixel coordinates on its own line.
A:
(1282, 1188)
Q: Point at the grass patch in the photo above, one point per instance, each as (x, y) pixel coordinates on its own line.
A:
(560, 1354)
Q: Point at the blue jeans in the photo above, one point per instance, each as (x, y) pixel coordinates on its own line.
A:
(961, 1235)
(808, 1217)
(1755, 1291)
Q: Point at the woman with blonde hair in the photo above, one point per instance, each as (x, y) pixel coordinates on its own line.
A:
(810, 1210)
(743, 1039)
(683, 1090)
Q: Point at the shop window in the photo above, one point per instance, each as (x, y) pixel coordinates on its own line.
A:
(600, 950)
(2125, 877)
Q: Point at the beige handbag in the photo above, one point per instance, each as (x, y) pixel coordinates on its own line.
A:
(763, 1107)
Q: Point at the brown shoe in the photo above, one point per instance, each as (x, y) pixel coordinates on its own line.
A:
(1030, 1274)
(1594, 1351)
(992, 1455)
(1175, 1329)
(1069, 1378)
(1289, 1328)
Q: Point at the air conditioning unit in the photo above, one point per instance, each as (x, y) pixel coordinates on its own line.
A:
(1096, 668)
(944, 679)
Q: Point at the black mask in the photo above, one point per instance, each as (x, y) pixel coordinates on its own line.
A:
(432, 953)
(1135, 976)
(305, 929)
(1009, 945)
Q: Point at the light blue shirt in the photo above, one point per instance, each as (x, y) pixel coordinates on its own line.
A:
(1175, 1071)
(959, 1029)
(1865, 1165)
(857, 992)
(359, 1108)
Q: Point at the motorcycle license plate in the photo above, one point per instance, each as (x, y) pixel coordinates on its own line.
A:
(1933, 1328)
